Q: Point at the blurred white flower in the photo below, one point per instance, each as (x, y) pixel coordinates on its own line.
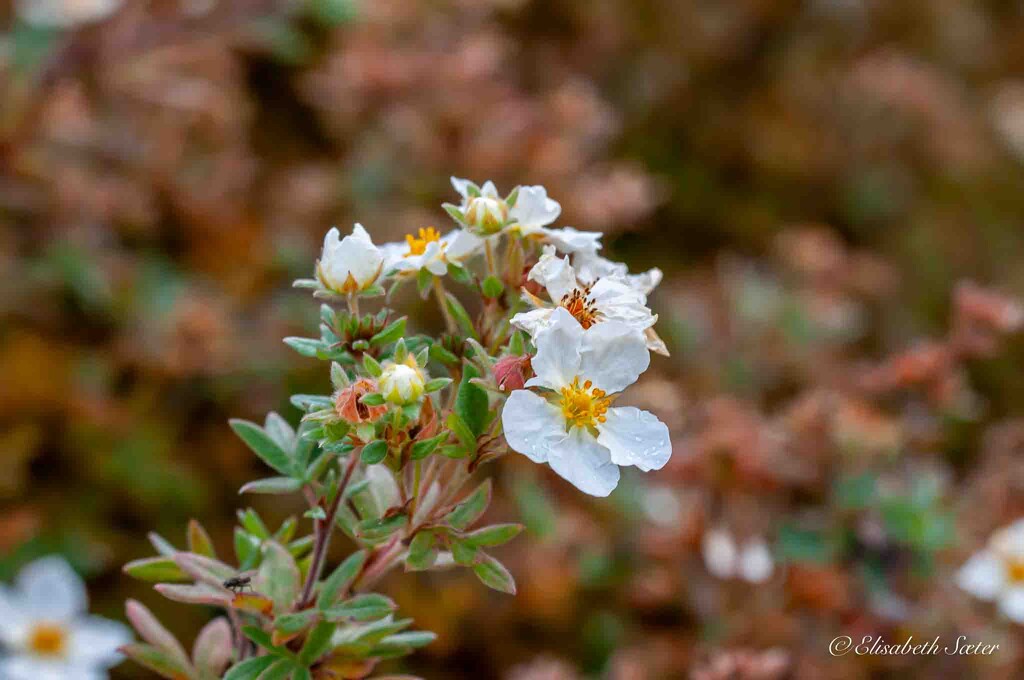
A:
(726, 559)
(607, 299)
(570, 425)
(996, 573)
(46, 632)
(590, 267)
(402, 382)
(350, 264)
(529, 216)
(64, 13)
(431, 251)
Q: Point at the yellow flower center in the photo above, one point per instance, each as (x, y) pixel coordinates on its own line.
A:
(1015, 571)
(417, 246)
(581, 307)
(584, 405)
(48, 639)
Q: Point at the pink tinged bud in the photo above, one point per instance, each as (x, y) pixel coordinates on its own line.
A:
(348, 406)
(511, 372)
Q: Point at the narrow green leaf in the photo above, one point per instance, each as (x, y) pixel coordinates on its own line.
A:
(253, 524)
(469, 510)
(279, 670)
(341, 579)
(496, 534)
(391, 333)
(156, 570)
(278, 577)
(377, 529)
(425, 447)
(493, 574)
(372, 366)
(465, 435)
(296, 621)
(437, 384)
(155, 659)
(250, 669)
(422, 553)
(307, 347)
(411, 638)
(372, 399)
(460, 315)
(463, 553)
(460, 274)
(471, 402)
(274, 486)
(374, 452)
(198, 540)
(247, 549)
(317, 643)
(262, 445)
(442, 356)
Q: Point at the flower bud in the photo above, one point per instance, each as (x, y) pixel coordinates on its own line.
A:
(510, 372)
(351, 264)
(486, 213)
(348, 406)
(402, 383)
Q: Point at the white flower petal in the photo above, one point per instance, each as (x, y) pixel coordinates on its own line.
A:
(26, 667)
(755, 563)
(51, 590)
(584, 463)
(354, 258)
(554, 273)
(488, 190)
(13, 621)
(533, 427)
(1009, 541)
(462, 186)
(983, 575)
(534, 209)
(570, 240)
(557, 360)
(635, 437)
(616, 301)
(94, 641)
(612, 355)
(590, 267)
(1011, 603)
(533, 321)
(719, 552)
(462, 246)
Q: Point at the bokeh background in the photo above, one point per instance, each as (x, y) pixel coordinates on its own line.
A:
(819, 180)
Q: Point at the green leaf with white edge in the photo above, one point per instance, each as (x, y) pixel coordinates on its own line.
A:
(496, 534)
(378, 529)
(361, 608)
(161, 569)
(374, 452)
(341, 579)
(278, 576)
(493, 574)
(279, 670)
(372, 366)
(274, 486)
(304, 446)
(422, 553)
(463, 553)
(161, 544)
(460, 274)
(339, 378)
(250, 669)
(311, 402)
(492, 287)
(307, 347)
(294, 622)
(460, 315)
(262, 445)
(465, 435)
(471, 403)
(437, 384)
(424, 282)
(390, 333)
(372, 399)
(317, 643)
(152, 631)
(253, 524)
(401, 352)
(306, 283)
(411, 638)
(278, 429)
(425, 447)
(155, 659)
(469, 510)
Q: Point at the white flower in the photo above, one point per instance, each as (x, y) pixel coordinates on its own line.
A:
(64, 13)
(725, 559)
(571, 426)
(431, 251)
(607, 299)
(46, 631)
(590, 267)
(996, 573)
(528, 217)
(350, 264)
(402, 382)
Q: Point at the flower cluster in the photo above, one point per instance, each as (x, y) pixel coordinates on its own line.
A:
(386, 457)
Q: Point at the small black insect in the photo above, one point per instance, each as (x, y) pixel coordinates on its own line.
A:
(237, 584)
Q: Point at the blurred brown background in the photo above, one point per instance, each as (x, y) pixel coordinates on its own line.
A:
(815, 178)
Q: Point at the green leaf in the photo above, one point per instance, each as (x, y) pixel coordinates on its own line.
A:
(496, 534)
(460, 315)
(296, 621)
(361, 608)
(311, 402)
(161, 544)
(460, 274)
(274, 486)
(213, 649)
(372, 366)
(341, 579)
(465, 435)
(453, 451)
(463, 553)
(411, 638)
(156, 570)
(374, 452)
(437, 384)
(262, 445)
(317, 643)
(278, 429)
(301, 673)
(469, 510)
(375, 632)
(279, 670)
(424, 281)
(253, 524)
(199, 541)
(517, 345)
(425, 447)
(316, 512)
(155, 659)
(442, 356)
(250, 669)
(455, 213)
(422, 553)
(278, 577)
(493, 574)
(372, 399)
(247, 549)
(377, 529)
(307, 347)
(492, 287)
(471, 402)
(391, 333)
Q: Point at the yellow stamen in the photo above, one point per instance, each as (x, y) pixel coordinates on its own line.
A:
(48, 639)
(1015, 571)
(417, 246)
(584, 405)
(581, 307)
